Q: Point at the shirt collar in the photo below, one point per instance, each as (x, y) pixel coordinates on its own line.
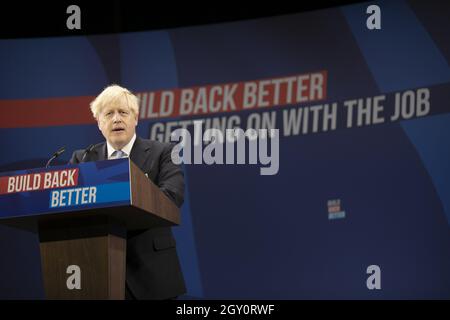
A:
(126, 149)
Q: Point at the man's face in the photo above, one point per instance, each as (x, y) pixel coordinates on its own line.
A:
(117, 123)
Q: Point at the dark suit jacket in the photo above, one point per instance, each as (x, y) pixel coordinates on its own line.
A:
(153, 269)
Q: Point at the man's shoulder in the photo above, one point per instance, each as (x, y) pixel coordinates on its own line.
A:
(156, 145)
(92, 148)
(78, 154)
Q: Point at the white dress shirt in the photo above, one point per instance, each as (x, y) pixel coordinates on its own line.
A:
(126, 148)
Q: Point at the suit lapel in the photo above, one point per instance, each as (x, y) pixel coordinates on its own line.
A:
(139, 153)
(102, 153)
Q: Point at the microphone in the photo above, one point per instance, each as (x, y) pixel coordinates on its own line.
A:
(55, 155)
(87, 150)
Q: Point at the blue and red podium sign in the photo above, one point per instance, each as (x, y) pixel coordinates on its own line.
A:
(64, 188)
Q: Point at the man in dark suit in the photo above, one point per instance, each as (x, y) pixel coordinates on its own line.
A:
(153, 268)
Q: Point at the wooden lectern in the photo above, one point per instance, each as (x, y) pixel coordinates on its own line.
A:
(82, 214)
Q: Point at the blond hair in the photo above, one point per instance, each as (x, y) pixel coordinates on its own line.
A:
(111, 95)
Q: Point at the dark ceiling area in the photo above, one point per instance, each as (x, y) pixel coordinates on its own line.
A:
(24, 19)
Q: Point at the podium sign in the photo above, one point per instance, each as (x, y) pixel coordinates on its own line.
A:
(82, 214)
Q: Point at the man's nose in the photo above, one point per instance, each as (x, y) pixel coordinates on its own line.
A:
(116, 117)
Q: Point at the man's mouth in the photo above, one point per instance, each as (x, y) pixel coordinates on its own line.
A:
(118, 129)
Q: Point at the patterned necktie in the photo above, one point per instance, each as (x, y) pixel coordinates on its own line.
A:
(118, 154)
